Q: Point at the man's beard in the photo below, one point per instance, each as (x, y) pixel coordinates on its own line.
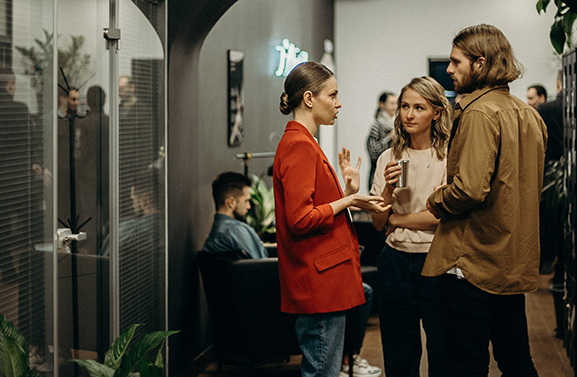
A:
(466, 85)
(239, 217)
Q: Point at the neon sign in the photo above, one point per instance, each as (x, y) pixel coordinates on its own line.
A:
(290, 56)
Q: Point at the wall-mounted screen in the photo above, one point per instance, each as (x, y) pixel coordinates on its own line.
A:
(438, 71)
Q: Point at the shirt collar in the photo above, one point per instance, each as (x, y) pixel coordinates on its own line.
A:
(478, 94)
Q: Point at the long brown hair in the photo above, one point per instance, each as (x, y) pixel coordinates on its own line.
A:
(501, 67)
(434, 94)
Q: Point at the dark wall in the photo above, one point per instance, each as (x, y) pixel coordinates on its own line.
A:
(200, 33)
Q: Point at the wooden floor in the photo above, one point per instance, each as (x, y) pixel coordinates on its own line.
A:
(548, 353)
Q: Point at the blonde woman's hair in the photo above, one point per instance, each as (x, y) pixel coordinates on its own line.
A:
(434, 94)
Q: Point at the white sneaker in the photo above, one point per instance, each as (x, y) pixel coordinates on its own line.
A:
(361, 368)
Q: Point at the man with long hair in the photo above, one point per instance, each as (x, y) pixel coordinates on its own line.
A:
(486, 246)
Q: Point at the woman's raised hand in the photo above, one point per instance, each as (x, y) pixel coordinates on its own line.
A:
(350, 174)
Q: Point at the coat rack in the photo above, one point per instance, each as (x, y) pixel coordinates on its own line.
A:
(74, 217)
(247, 156)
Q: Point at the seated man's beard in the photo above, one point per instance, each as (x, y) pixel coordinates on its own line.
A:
(239, 217)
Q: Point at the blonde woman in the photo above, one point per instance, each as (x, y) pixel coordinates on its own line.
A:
(422, 128)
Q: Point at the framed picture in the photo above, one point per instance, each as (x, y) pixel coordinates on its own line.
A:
(235, 98)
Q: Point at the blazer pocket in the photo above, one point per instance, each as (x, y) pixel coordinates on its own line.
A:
(333, 258)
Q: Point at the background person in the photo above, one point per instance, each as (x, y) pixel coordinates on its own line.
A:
(552, 255)
(536, 95)
(91, 158)
(231, 194)
(382, 128)
(422, 128)
(147, 215)
(15, 161)
(127, 95)
(486, 246)
(318, 252)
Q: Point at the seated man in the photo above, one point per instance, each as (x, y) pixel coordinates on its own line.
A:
(231, 194)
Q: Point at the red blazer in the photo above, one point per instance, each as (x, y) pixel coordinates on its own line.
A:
(319, 261)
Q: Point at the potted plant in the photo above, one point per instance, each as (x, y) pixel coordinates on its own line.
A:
(120, 360)
(261, 213)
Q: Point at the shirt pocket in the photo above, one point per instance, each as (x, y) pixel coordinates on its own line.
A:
(332, 259)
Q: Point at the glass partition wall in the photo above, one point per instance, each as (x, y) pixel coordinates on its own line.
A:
(82, 147)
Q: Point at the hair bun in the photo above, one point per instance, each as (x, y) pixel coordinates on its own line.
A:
(284, 105)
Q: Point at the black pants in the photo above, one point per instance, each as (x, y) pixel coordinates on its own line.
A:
(406, 298)
(473, 318)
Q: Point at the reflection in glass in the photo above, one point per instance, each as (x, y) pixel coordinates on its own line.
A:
(26, 173)
(141, 126)
(29, 266)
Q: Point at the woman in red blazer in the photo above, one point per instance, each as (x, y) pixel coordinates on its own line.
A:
(318, 251)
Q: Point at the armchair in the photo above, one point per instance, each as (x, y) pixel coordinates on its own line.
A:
(243, 298)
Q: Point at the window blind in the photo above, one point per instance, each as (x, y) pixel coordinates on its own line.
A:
(25, 199)
(141, 170)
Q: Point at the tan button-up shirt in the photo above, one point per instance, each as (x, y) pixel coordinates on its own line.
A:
(490, 207)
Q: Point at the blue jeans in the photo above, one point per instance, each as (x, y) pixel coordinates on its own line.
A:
(321, 337)
(406, 298)
(472, 318)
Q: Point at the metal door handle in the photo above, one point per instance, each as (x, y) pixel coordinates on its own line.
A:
(65, 237)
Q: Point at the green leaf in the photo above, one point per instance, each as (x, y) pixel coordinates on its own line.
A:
(144, 368)
(15, 359)
(155, 371)
(118, 348)
(139, 350)
(568, 21)
(94, 368)
(13, 350)
(542, 5)
(261, 214)
(557, 36)
(159, 362)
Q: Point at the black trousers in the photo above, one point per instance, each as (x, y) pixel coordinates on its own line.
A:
(473, 318)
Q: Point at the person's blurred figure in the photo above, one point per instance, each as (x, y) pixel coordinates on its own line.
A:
(382, 130)
(552, 256)
(536, 95)
(91, 153)
(14, 162)
(126, 92)
(21, 213)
